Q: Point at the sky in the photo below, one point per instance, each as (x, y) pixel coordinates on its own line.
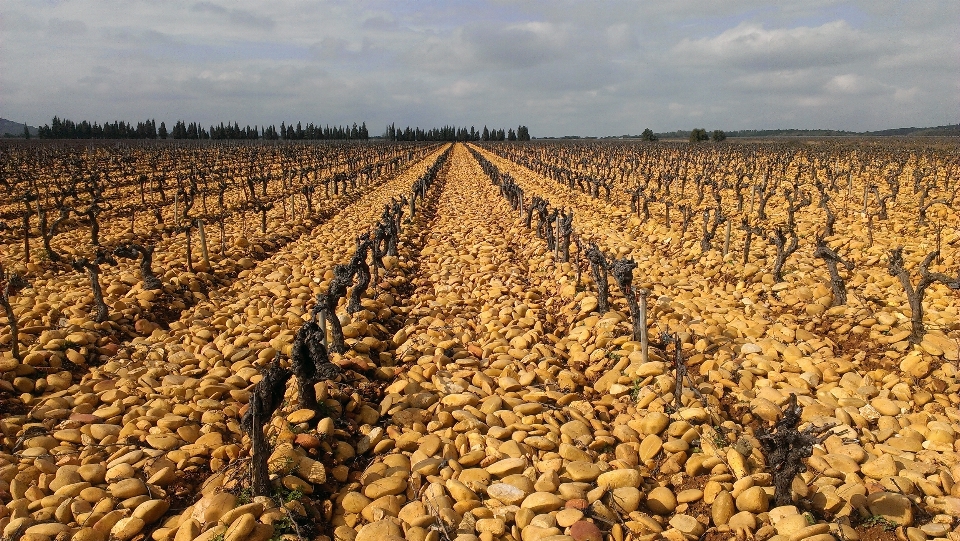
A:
(560, 67)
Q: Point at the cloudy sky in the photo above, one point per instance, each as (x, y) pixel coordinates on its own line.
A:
(559, 67)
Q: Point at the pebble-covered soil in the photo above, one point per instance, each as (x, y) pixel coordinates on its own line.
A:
(483, 394)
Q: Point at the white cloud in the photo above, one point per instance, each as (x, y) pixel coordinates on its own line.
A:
(852, 84)
(751, 46)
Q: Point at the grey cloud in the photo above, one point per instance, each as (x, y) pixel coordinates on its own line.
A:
(60, 27)
(235, 15)
(558, 66)
(379, 22)
(490, 48)
(518, 45)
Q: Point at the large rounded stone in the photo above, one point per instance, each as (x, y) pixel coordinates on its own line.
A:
(626, 477)
(661, 501)
(722, 508)
(541, 502)
(585, 531)
(754, 500)
(379, 531)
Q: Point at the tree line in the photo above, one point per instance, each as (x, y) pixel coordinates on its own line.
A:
(452, 133)
(68, 129)
(148, 129)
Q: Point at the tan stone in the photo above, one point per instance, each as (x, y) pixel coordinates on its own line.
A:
(891, 506)
(507, 466)
(379, 531)
(650, 447)
(241, 528)
(505, 493)
(127, 488)
(722, 508)
(654, 423)
(754, 500)
(387, 486)
(687, 525)
(150, 511)
(540, 502)
(880, 467)
(619, 478)
(661, 501)
(582, 471)
(126, 528)
(354, 502)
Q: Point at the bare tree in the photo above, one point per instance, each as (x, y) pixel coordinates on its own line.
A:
(710, 229)
(566, 230)
(831, 259)
(622, 270)
(687, 213)
(831, 217)
(309, 360)
(598, 266)
(749, 230)
(28, 198)
(342, 276)
(47, 233)
(10, 286)
(93, 271)
(95, 208)
(785, 248)
(796, 200)
(915, 294)
(361, 271)
(266, 397)
(765, 192)
(132, 251)
(785, 447)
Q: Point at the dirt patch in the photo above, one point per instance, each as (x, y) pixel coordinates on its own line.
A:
(714, 535)
(874, 358)
(186, 489)
(693, 482)
(735, 409)
(161, 311)
(11, 405)
(875, 533)
(699, 508)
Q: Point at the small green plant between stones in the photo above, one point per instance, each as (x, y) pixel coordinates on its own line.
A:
(245, 496)
(635, 390)
(879, 520)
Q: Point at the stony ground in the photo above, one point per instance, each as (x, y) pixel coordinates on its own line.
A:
(485, 397)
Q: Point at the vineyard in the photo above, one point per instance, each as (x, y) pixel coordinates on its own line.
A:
(523, 341)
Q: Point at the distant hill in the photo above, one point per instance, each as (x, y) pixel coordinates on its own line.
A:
(952, 129)
(949, 130)
(9, 128)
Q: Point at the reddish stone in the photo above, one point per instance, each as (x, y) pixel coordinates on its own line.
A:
(577, 503)
(307, 441)
(873, 487)
(585, 531)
